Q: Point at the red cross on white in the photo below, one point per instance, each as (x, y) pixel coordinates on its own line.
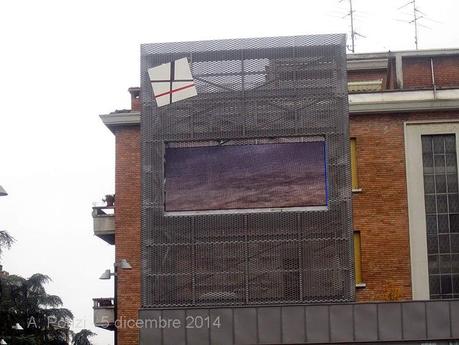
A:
(172, 82)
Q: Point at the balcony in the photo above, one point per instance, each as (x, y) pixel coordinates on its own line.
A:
(365, 86)
(104, 222)
(104, 313)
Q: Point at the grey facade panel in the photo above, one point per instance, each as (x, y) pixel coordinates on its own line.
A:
(150, 334)
(390, 321)
(366, 317)
(279, 88)
(293, 325)
(454, 310)
(333, 323)
(317, 324)
(269, 325)
(173, 335)
(414, 321)
(438, 320)
(245, 326)
(341, 323)
(224, 334)
(196, 333)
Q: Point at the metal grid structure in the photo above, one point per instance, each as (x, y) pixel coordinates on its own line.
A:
(249, 89)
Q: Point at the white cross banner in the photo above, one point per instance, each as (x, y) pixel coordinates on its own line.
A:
(172, 82)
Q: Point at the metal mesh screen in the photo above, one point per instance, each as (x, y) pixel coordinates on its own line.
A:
(249, 89)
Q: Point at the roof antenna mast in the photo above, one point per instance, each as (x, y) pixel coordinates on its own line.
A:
(354, 33)
(415, 21)
(351, 14)
(417, 15)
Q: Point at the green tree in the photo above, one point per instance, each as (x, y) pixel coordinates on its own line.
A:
(82, 337)
(6, 240)
(25, 301)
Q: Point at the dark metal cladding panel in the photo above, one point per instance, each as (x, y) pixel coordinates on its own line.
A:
(281, 88)
(224, 334)
(341, 323)
(349, 323)
(438, 320)
(454, 305)
(317, 324)
(414, 321)
(293, 325)
(269, 325)
(150, 333)
(366, 322)
(197, 324)
(245, 325)
(174, 332)
(390, 321)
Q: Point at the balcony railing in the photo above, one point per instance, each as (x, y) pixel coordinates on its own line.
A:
(104, 313)
(104, 223)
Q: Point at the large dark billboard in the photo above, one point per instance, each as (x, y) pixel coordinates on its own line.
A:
(236, 177)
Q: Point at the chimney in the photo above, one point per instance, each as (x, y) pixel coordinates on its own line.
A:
(135, 98)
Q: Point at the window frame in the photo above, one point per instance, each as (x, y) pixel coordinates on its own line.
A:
(357, 241)
(354, 165)
(413, 131)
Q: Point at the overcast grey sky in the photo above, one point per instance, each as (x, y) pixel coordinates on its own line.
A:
(63, 63)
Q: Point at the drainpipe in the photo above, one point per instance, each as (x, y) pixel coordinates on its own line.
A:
(433, 78)
(399, 70)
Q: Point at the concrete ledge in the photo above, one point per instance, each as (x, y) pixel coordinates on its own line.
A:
(362, 103)
(114, 120)
(405, 53)
(367, 64)
(403, 101)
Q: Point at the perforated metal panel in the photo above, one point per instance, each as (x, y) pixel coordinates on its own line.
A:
(249, 89)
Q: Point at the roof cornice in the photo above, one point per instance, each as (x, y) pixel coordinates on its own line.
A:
(403, 101)
(404, 53)
(114, 120)
(360, 103)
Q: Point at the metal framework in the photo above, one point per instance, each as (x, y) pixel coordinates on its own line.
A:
(249, 89)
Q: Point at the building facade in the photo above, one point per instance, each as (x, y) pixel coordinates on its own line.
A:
(402, 154)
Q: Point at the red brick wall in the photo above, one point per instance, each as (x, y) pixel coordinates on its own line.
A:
(127, 224)
(135, 103)
(446, 71)
(417, 72)
(380, 211)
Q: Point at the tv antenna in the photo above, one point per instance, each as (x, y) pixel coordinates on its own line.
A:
(417, 15)
(354, 33)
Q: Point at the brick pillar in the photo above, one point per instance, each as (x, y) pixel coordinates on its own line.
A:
(127, 220)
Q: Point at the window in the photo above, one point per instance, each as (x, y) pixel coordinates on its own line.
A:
(357, 260)
(441, 199)
(355, 179)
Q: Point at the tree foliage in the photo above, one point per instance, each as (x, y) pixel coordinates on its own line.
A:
(82, 337)
(25, 301)
(6, 240)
